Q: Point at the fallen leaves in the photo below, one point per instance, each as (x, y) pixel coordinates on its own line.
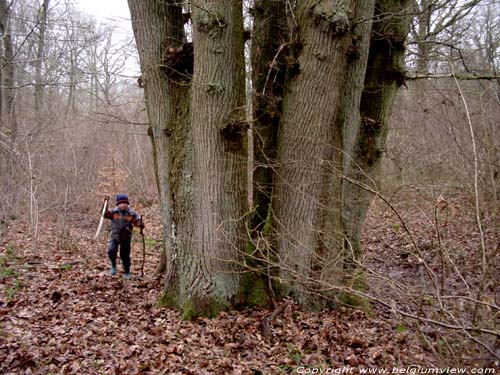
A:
(70, 317)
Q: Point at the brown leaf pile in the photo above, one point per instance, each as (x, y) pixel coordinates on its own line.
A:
(61, 313)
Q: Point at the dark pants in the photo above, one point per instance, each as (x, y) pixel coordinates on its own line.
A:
(124, 252)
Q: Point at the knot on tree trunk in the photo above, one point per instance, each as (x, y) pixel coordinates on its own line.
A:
(292, 53)
(178, 62)
(212, 23)
(331, 18)
(234, 129)
(394, 74)
(370, 125)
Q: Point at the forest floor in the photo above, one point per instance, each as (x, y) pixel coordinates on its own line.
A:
(62, 313)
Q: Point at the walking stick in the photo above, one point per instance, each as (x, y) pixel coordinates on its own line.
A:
(103, 211)
(143, 250)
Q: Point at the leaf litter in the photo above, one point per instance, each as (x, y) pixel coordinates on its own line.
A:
(61, 313)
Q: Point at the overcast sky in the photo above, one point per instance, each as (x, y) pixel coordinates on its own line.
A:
(115, 10)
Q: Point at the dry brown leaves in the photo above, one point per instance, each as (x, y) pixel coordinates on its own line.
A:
(61, 313)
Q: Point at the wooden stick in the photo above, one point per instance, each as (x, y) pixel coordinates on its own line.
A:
(104, 208)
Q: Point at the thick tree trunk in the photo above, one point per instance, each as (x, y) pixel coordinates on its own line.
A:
(308, 196)
(270, 45)
(209, 266)
(201, 168)
(159, 32)
(384, 75)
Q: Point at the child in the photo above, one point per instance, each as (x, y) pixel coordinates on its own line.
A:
(123, 218)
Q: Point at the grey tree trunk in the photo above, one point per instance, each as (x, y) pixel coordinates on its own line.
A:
(308, 196)
(3, 26)
(40, 52)
(209, 267)
(424, 36)
(159, 32)
(270, 46)
(385, 73)
(199, 140)
(7, 70)
(71, 102)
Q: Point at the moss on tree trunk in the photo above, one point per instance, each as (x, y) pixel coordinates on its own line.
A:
(209, 260)
(159, 29)
(308, 194)
(322, 112)
(385, 73)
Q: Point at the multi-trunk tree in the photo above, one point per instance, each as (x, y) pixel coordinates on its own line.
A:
(324, 75)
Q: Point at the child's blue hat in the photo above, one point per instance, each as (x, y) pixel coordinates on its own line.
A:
(122, 198)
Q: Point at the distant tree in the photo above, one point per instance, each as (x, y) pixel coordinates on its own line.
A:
(39, 61)
(436, 29)
(7, 108)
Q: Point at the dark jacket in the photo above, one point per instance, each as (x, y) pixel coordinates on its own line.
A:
(122, 222)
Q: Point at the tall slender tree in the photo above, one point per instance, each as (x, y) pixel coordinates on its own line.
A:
(39, 61)
(7, 71)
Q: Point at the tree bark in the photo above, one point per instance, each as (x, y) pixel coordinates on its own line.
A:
(40, 52)
(308, 196)
(159, 32)
(270, 45)
(8, 93)
(385, 73)
(209, 267)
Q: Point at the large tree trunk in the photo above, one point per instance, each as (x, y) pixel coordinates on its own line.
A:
(209, 266)
(270, 44)
(166, 64)
(201, 168)
(384, 75)
(308, 196)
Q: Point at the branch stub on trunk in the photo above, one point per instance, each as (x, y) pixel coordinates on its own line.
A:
(331, 18)
(178, 62)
